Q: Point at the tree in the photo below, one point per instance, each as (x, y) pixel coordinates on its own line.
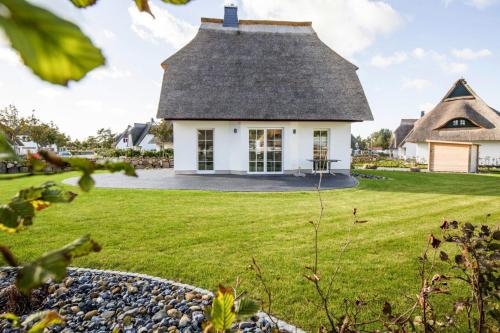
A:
(359, 143)
(163, 132)
(381, 138)
(105, 138)
(10, 121)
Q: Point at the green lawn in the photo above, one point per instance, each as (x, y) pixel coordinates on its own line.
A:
(207, 238)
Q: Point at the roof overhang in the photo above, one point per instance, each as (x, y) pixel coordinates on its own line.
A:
(453, 142)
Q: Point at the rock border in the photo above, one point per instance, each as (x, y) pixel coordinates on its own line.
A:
(282, 325)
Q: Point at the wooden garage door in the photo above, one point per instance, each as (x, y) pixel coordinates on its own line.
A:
(449, 157)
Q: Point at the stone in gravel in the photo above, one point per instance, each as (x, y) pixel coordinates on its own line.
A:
(61, 291)
(174, 313)
(195, 308)
(185, 321)
(107, 315)
(246, 325)
(172, 329)
(205, 297)
(68, 282)
(52, 289)
(190, 296)
(116, 290)
(132, 289)
(75, 309)
(160, 315)
(90, 314)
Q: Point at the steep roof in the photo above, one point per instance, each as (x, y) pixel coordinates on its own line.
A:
(138, 132)
(260, 70)
(400, 133)
(460, 102)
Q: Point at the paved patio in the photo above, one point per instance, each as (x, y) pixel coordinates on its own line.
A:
(166, 179)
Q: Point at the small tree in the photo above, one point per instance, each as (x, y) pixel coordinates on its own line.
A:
(163, 133)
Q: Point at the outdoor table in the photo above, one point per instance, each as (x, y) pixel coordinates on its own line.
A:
(327, 161)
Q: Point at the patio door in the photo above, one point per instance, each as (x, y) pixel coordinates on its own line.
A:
(265, 150)
(320, 150)
(205, 150)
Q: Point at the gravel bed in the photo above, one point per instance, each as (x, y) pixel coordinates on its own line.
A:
(367, 176)
(99, 301)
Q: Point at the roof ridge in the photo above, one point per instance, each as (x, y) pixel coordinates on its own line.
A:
(261, 22)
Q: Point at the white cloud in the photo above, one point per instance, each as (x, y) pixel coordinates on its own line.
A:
(419, 53)
(468, 54)
(2, 84)
(108, 34)
(49, 93)
(427, 106)
(8, 56)
(396, 58)
(417, 84)
(479, 4)
(164, 28)
(112, 72)
(346, 26)
(454, 67)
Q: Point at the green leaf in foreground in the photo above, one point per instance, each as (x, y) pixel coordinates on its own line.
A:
(246, 307)
(20, 211)
(56, 50)
(6, 151)
(143, 5)
(83, 3)
(43, 320)
(121, 166)
(52, 265)
(223, 316)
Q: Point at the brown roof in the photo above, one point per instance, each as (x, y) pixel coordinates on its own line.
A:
(460, 102)
(261, 70)
(400, 133)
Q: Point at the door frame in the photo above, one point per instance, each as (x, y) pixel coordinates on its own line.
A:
(265, 151)
(197, 150)
(328, 147)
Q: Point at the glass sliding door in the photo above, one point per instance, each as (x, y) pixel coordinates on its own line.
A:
(265, 150)
(256, 150)
(320, 149)
(205, 150)
(274, 150)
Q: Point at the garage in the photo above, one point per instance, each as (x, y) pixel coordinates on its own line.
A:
(453, 156)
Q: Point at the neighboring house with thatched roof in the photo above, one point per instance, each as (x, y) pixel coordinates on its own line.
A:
(138, 137)
(399, 147)
(461, 132)
(248, 96)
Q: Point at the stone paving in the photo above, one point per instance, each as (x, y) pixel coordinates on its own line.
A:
(167, 179)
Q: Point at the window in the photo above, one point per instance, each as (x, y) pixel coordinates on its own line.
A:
(125, 139)
(320, 149)
(459, 123)
(206, 150)
(265, 150)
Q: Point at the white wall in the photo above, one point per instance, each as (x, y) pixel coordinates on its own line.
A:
(231, 149)
(146, 145)
(489, 152)
(422, 152)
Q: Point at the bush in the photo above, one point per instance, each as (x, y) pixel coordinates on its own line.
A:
(167, 153)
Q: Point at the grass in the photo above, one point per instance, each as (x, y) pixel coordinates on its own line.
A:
(207, 238)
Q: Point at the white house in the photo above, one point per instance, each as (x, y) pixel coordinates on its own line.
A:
(459, 134)
(138, 137)
(24, 145)
(260, 97)
(399, 147)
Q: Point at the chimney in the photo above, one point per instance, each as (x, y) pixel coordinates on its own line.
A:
(230, 16)
(422, 113)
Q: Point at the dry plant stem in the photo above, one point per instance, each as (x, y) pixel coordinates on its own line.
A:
(315, 280)
(258, 273)
(8, 256)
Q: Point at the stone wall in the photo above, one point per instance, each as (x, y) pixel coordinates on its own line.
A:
(136, 162)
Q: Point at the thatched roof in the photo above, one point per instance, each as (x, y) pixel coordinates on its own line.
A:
(138, 132)
(400, 133)
(261, 70)
(460, 102)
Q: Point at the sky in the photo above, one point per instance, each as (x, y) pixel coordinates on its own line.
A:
(409, 53)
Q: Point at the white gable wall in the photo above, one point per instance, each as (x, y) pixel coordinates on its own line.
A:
(231, 149)
(146, 145)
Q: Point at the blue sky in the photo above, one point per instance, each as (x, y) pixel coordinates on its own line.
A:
(409, 52)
